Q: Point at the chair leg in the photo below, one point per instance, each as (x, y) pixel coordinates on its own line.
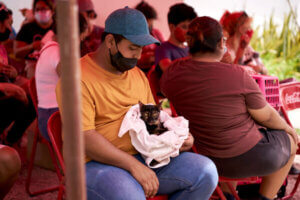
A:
(293, 191)
(54, 160)
(30, 169)
(220, 193)
(233, 191)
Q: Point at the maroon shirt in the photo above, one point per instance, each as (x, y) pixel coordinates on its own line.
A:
(214, 98)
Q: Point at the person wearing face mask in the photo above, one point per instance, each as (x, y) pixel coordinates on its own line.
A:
(179, 17)
(238, 30)
(226, 111)
(28, 40)
(5, 26)
(110, 84)
(93, 39)
(147, 59)
(47, 75)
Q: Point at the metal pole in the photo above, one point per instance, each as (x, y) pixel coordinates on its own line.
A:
(73, 151)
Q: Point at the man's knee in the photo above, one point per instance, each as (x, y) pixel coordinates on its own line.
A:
(205, 169)
(115, 184)
(10, 163)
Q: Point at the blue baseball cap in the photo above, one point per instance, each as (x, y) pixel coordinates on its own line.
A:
(131, 24)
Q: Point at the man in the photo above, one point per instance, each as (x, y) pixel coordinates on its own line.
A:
(93, 39)
(111, 84)
(179, 17)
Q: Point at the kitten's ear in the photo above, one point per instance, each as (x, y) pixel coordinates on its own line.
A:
(159, 105)
(141, 104)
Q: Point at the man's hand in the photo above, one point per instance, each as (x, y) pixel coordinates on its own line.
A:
(37, 45)
(146, 177)
(9, 71)
(187, 144)
(12, 90)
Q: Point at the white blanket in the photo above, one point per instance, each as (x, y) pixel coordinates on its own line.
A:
(155, 147)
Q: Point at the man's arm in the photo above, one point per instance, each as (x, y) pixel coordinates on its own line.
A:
(100, 149)
(164, 64)
(22, 49)
(269, 117)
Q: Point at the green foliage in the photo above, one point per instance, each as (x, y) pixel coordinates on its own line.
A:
(279, 48)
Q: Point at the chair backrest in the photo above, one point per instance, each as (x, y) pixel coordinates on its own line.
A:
(154, 83)
(290, 99)
(33, 93)
(54, 132)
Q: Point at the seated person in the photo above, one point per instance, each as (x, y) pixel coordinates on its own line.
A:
(94, 32)
(28, 40)
(110, 85)
(237, 28)
(147, 58)
(16, 106)
(224, 106)
(46, 77)
(179, 17)
(10, 166)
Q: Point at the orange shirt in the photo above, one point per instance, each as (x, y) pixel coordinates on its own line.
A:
(106, 98)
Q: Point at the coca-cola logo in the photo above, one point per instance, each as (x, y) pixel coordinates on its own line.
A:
(293, 98)
(290, 96)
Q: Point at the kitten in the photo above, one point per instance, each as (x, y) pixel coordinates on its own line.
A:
(150, 115)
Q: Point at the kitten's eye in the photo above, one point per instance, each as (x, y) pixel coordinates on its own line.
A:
(146, 114)
(155, 114)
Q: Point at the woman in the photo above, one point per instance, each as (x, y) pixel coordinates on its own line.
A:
(237, 28)
(46, 77)
(224, 106)
(28, 40)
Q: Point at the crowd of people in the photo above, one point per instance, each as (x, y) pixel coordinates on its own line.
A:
(205, 70)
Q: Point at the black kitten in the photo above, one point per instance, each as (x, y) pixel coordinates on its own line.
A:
(150, 115)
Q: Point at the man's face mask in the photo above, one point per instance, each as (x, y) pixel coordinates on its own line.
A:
(121, 63)
(179, 34)
(43, 16)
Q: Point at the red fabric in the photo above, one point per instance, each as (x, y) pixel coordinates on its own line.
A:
(214, 98)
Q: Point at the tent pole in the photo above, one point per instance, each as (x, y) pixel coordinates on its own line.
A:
(73, 148)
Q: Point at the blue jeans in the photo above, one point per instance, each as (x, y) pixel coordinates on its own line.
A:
(43, 116)
(187, 176)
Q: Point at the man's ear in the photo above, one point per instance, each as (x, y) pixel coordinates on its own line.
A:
(109, 41)
(172, 27)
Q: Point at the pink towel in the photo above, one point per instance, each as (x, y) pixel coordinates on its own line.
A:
(155, 147)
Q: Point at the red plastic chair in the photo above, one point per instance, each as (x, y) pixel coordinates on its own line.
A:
(54, 130)
(290, 100)
(159, 197)
(154, 84)
(38, 138)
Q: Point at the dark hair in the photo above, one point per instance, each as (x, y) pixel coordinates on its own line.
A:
(180, 12)
(205, 33)
(48, 2)
(232, 21)
(117, 37)
(83, 25)
(10, 12)
(3, 12)
(147, 10)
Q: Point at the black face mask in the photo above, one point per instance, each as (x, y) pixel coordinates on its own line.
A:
(121, 63)
(4, 36)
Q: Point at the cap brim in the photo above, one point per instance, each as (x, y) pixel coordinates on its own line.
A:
(142, 40)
